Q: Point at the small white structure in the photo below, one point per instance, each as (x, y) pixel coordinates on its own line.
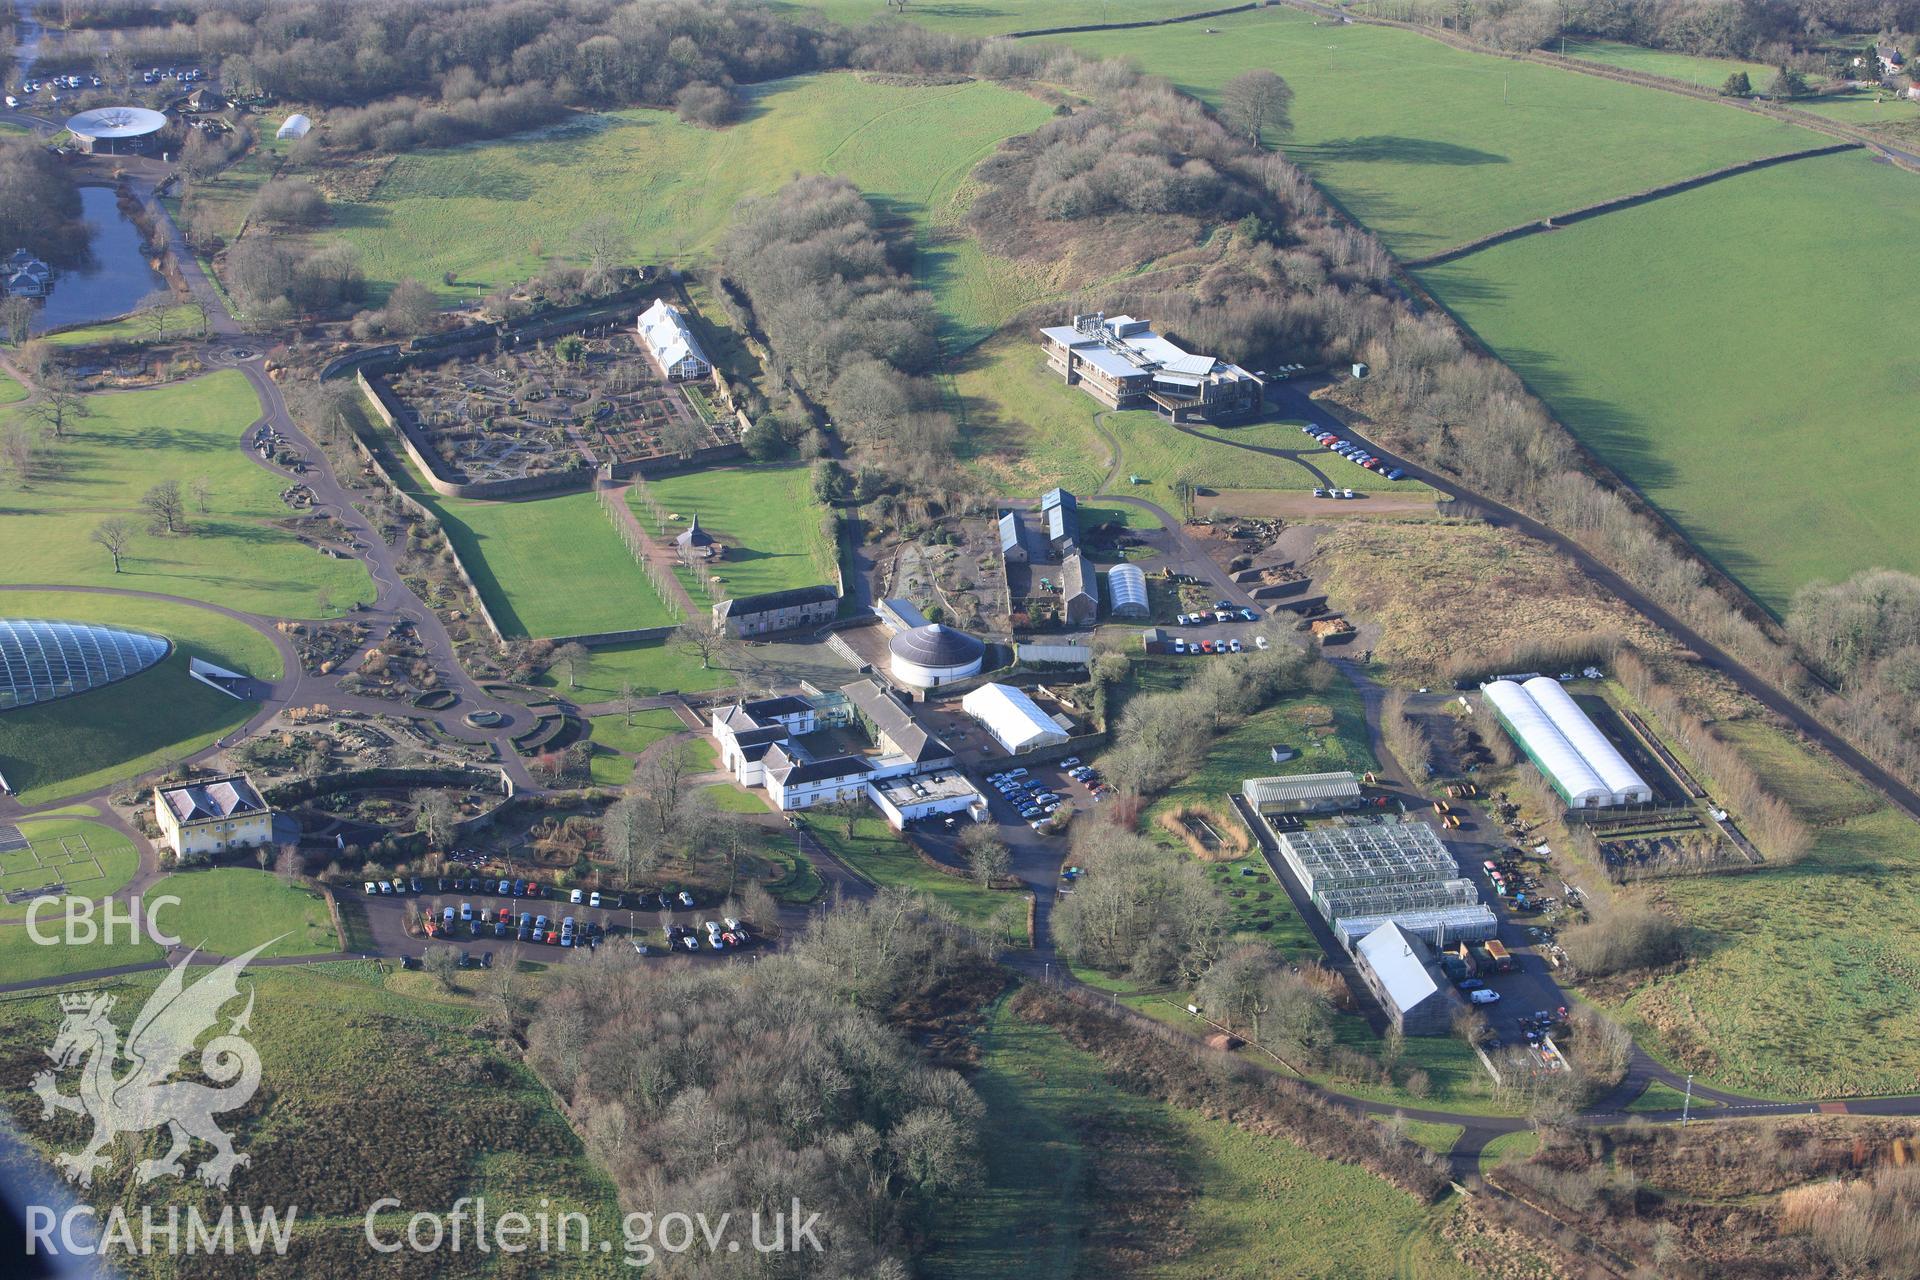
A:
(1015, 721)
(909, 798)
(295, 126)
(1127, 591)
(932, 655)
(667, 338)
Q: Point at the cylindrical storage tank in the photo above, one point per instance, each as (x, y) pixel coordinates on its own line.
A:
(933, 655)
(1621, 778)
(1547, 747)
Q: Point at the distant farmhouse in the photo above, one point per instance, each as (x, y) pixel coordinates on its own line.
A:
(1889, 58)
(1124, 364)
(671, 343)
(27, 276)
(199, 819)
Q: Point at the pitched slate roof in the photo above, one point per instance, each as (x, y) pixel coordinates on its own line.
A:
(891, 717)
(216, 798)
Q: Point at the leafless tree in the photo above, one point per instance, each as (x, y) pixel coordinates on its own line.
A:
(988, 858)
(16, 315)
(114, 534)
(155, 314)
(165, 509)
(58, 403)
(202, 493)
(572, 657)
(703, 640)
(1257, 98)
(435, 815)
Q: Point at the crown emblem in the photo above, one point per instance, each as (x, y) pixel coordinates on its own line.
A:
(81, 1001)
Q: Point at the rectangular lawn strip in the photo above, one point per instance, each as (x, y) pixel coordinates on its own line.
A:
(1794, 968)
(184, 431)
(1256, 1206)
(490, 211)
(648, 727)
(1664, 1097)
(882, 856)
(728, 798)
(180, 320)
(24, 960)
(651, 667)
(609, 769)
(90, 858)
(1685, 368)
(1709, 73)
(226, 910)
(1487, 146)
(773, 530)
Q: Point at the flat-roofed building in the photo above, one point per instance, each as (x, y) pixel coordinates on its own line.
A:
(213, 815)
(1124, 364)
(910, 798)
(1303, 793)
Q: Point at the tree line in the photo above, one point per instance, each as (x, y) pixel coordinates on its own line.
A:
(743, 1088)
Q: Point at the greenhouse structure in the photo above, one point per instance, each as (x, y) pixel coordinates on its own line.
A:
(1565, 745)
(1362, 875)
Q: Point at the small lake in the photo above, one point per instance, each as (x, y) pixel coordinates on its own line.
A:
(115, 277)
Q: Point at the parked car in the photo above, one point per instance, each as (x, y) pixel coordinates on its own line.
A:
(577, 898)
(372, 889)
(1484, 996)
(1259, 642)
(416, 884)
(686, 899)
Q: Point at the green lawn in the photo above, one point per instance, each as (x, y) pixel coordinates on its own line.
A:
(73, 744)
(1803, 979)
(766, 517)
(878, 853)
(492, 212)
(610, 769)
(231, 556)
(1484, 142)
(1869, 109)
(729, 798)
(648, 727)
(90, 858)
(1663, 1097)
(24, 960)
(225, 911)
(1713, 360)
(1253, 1206)
(550, 566)
(1709, 72)
(180, 320)
(654, 666)
(1508, 1146)
(362, 1088)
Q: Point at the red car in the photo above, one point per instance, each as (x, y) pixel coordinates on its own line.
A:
(505, 915)
(553, 939)
(533, 888)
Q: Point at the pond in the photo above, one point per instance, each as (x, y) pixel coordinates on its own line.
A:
(113, 280)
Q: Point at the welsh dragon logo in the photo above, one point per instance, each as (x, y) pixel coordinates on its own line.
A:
(144, 1096)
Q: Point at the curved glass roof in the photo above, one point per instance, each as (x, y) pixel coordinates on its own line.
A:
(42, 660)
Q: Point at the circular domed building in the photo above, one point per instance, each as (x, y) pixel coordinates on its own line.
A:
(115, 131)
(932, 655)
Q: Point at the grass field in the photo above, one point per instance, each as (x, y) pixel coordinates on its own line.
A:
(1254, 1207)
(1713, 364)
(1662, 1097)
(1508, 1146)
(971, 18)
(1485, 145)
(232, 555)
(90, 858)
(652, 667)
(877, 853)
(766, 517)
(24, 960)
(1708, 72)
(1794, 969)
(224, 911)
(549, 566)
(74, 744)
(648, 727)
(367, 1093)
(491, 212)
(181, 320)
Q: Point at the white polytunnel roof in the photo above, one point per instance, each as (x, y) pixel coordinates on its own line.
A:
(296, 125)
(1626, 784)
(1127, 585)
(1547, 746)
(1012, 717)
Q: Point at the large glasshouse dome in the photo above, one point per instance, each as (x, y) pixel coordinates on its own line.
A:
(42, 660)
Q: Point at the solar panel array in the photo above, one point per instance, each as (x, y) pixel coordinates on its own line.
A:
(42, 660)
